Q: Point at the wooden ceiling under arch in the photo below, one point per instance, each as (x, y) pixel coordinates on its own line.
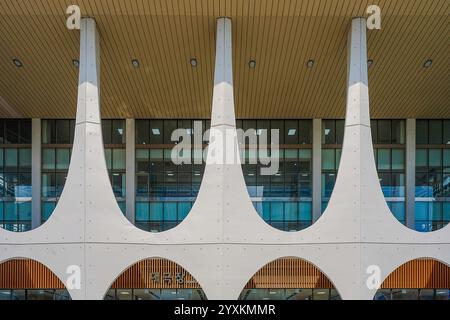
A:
(281, 35)
(282, 273)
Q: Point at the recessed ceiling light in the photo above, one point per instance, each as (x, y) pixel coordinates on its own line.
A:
(428, 63)
(18, 63)
(135, 63)
(252, 64)
(369, 63)
(292, 132)
(76, 63)
(310, 63)
(193, 62)
(156, 131)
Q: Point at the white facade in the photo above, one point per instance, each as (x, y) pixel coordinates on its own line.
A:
(223, 241)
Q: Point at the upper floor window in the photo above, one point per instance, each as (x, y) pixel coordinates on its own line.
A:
(388, 131)
(15, 131)
(433, 132)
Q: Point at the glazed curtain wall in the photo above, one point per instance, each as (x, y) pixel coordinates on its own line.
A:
(15, 175)
(165, 192)
(432, 208)
(283, 200)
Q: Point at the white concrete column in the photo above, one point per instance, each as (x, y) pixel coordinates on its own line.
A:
(317, 170)
(223, 102)
(36, 172)
(130, 169)
(410, 172)
(357, 192)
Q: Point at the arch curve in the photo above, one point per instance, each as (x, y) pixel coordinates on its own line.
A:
(29, 279)
(420, 278)
(155, 279)
(289, 278)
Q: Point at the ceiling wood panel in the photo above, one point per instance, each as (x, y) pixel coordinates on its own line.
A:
(280, 35)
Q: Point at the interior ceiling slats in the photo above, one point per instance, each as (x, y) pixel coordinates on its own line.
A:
(280, 35)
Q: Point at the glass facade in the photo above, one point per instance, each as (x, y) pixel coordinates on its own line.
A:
(332, 140)
(34, 294)
(57, 141)
(155, 294)
(289, 294)
(283, 200)
(390, 157)
(412, 294)
(432, 207)
(15, 175)
(114, 139)
(165, 191)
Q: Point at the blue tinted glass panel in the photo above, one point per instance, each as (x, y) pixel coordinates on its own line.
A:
(156, 211)
(266, 210)
(10, 211)
(24, 211)
(276, 211)
(422, 211)
(305, 211)
(47, 210)
(170, 211)
(183, 210)
(291, 211)
(142, 211)
(398, 210)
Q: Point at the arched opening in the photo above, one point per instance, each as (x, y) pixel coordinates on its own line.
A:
(167, 182)
(25, 279)
(155, 279)
(282, 196)
(421, 279)
(289, 279)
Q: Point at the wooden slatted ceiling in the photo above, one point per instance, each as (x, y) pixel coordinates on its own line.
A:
(281, 35)
(27, 274)
(289, 273)
(427, 274)
(283, 273)
(139, 276)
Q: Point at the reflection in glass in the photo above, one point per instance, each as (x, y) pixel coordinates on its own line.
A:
(432, 210)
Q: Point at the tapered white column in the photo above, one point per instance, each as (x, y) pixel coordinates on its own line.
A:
(410, 172)
(317, 170)
(130, 170)
(357, 193)
(36, 173)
